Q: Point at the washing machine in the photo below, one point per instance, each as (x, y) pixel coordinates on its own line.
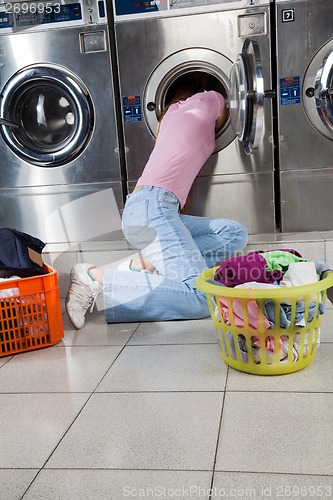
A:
(227, 46)
(305, 81)
(60, 175)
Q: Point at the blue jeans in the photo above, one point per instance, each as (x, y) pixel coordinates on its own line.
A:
(179, 246)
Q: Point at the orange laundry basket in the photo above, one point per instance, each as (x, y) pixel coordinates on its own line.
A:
(30, 313)
(252, 344)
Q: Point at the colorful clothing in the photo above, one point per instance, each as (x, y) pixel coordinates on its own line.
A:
(280, 260)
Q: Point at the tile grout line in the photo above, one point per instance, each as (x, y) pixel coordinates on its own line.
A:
(219, 432)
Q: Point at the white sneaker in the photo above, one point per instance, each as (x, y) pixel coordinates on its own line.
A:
(82, 294)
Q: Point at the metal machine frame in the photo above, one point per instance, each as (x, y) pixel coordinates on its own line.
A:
(305, 83)
(60, 176)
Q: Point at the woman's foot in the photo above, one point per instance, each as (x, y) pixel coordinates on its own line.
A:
(143, 264)
(137, 265)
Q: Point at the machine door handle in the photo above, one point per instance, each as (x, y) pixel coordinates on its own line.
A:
(327, 92)
(6, 123)
(268, 94)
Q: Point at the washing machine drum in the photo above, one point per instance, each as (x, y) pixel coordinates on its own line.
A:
(46, 115)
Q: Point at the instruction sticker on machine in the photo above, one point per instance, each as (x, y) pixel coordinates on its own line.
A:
(290, 90)
(132, 109)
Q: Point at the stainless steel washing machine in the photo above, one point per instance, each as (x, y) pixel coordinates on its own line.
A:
(305, 81)
(60, 176)
(227, 44)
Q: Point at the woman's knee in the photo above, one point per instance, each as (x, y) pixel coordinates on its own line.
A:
(234, 235)
(199, 308)
(242, 236)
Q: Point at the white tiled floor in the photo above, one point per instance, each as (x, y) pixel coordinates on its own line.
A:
(151, 411)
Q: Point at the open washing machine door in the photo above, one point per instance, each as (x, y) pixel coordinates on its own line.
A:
(46, 115)
(318, 91)
(324, 92)
(322, 116)
(247, 96)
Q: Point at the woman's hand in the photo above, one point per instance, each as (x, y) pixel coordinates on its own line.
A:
(222, 118)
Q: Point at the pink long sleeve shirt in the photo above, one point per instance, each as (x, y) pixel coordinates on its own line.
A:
(185, 141)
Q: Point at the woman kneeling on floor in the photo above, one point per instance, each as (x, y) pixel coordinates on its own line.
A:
(175, 247)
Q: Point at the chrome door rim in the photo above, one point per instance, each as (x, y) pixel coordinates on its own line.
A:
(324, 100)
(56, 79)
(247, 97)
(318, 77)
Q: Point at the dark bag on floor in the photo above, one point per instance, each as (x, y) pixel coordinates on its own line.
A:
(20, 253)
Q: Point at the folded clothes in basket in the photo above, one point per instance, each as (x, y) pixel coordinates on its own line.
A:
(20, 253)
(9, 292)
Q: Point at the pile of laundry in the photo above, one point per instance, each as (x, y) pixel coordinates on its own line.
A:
(9, 292)
(23, 319)
(20, 257)
(263, 270)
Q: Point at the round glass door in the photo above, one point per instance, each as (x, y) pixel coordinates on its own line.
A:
(46, 115)
(318, 90)
(246, 97)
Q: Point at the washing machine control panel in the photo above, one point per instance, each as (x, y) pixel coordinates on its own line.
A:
(29, 14)
(144, 8)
